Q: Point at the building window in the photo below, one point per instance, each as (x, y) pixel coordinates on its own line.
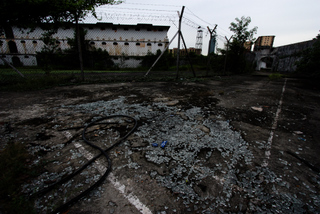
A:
(23, 42)
(12, 47)
(104, 43)
(126, 43)
(115, 43)
(160, 44)
(92, 43)
(149, 44)
(34, 42)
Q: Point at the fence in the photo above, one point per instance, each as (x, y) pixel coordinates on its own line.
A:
(106, 49)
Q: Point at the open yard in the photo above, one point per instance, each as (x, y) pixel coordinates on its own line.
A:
(236, 144)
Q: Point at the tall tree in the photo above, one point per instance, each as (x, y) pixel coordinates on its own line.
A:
(242, 34)
(309, 64)
(31, 12)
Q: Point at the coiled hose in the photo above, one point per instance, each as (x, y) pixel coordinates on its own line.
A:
(102, 152)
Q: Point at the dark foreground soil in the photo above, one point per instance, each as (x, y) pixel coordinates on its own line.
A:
(239, 144)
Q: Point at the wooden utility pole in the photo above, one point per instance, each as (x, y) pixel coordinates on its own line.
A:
(179, 38)
(225, 59)
(78, 38)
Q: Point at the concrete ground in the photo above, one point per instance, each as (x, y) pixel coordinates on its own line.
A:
(239, 144)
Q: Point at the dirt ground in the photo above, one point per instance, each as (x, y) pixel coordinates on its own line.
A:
(239, 144)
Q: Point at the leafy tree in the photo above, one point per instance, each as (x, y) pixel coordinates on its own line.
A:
(163, 64)
(242, 34)
(50, 49)
(31, 12)
(310, 60)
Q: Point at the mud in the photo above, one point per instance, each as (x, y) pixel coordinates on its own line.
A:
(234, 144)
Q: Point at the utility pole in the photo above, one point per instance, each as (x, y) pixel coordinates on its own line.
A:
(179, 38)
(212, 46)
(225, 59)
(179, 32)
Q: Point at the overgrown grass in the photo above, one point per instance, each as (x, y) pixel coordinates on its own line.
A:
(14, 171)
(275, 76)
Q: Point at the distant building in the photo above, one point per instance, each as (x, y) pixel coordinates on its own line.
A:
(248, 46)
(264, 42)
(20, 45)
(183, 52)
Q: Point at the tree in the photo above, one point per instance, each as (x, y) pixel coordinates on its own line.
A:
(242, 34)
(32, 12)
(310, 60)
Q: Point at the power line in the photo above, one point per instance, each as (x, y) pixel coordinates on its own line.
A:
(162, 5)
(147, 9)
(199, 18)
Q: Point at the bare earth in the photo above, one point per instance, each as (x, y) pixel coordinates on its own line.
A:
(239, 144)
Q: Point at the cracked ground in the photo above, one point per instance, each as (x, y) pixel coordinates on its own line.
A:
(240, 144)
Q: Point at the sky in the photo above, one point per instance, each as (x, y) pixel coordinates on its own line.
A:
(290, 21)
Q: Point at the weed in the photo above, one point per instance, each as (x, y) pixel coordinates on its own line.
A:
(275, 76)
(14, 172)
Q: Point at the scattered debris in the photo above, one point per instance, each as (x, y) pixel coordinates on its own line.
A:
(257, 108)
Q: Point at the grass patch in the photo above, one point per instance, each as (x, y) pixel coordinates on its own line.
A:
(275, 76)
(14, 172)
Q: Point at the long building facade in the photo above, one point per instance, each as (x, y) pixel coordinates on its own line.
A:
(20, 45)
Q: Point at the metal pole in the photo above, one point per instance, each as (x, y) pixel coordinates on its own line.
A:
(179, 37)
(12, 67)
(185, 46)
(225, 59)
(161, 54)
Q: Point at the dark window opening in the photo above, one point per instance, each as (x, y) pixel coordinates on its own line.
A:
(104, 43)
(137, 44)
(26, 57)
(16, 61)
(115, 43)
(149, 44)
(23, 41)
(34, 42)
(12, 47)
(92, 43)
(159, 44)
(126, 43)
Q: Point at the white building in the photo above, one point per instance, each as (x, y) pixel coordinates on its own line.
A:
(124, 43)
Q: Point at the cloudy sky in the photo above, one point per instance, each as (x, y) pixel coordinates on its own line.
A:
(291, 21)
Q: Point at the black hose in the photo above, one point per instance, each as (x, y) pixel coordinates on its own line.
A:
(102, 152)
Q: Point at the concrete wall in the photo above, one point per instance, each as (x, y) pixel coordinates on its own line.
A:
(117, 40)
(285, 57)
